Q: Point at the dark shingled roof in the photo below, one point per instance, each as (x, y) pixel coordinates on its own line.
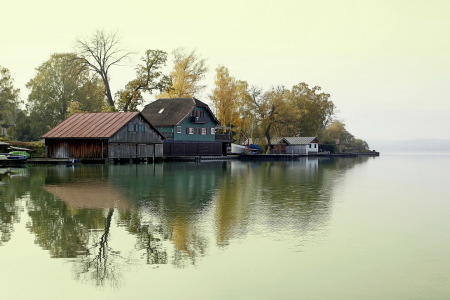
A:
(91, 125)
(171, 111)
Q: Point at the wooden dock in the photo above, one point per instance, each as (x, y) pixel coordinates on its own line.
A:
(243, 157)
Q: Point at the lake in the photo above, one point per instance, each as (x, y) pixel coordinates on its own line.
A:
(347, 228)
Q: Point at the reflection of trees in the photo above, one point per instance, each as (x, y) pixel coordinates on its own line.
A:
(174, 196)
(188, 241)
(72, 231)
(169, 205)
(81, 234)
(281, 195)
(150, 237)
(99, 264)
(11, 190)
(58, 228)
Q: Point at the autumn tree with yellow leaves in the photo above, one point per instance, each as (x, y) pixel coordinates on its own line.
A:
(188, 72)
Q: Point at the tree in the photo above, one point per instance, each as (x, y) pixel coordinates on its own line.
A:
(60, 83)
(188, 71)
(314, 106)
(337, 134)
(9, 97)
(228, 98)
(99, 53)
(22, 128)
(273, 111)
(148, 78)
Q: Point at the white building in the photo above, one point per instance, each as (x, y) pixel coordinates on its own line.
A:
(301, 145)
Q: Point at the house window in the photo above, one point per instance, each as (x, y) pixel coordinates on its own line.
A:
(315, 145)
(178, 129)
(213, 130)
(190, 130)
(203, 131)
(141, 128)
(198, 113)
(131, 127)
(309, 145)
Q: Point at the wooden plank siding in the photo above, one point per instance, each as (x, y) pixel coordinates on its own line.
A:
(76, 148)
(124, 135)
(134, 139)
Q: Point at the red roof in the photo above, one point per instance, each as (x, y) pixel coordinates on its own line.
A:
(91, 125)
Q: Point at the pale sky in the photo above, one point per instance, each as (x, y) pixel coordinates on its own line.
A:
(385, 63)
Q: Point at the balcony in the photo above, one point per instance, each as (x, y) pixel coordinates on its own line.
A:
(199, 120)
(223, 137)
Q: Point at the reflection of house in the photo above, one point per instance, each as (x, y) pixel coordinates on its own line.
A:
(104, 135)
(188, 126)
(89, 195)
(301, 145)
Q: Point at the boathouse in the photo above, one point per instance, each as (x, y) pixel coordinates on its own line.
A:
(115, 135)
(301, 145)
(188, 125)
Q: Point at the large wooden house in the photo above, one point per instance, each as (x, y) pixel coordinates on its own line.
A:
(188, 125)
(115, 135)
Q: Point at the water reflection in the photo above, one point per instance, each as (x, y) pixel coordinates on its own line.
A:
(105, 218)
(12, 189)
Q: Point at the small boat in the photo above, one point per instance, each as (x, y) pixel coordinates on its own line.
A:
(13, 156)
(16, 156)
(19, 154)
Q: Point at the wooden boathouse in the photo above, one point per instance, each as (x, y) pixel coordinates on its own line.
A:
(115, 135)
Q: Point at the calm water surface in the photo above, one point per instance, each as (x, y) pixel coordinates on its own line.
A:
(365, 228)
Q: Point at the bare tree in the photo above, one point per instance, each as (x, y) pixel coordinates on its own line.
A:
(99, 53)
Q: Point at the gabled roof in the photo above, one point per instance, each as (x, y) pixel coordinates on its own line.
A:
(295, 140)
(91, 125)
(172, 111)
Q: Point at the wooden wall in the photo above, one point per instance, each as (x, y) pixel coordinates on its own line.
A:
(184, 148)
(149, 136)
(76, 148)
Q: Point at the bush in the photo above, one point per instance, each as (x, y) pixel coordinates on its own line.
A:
(327, 147)
(38, 148)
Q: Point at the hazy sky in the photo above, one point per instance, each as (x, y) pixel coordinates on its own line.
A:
(385, 63)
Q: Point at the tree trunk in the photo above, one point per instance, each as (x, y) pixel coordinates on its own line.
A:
(108, 94)
(269, 141)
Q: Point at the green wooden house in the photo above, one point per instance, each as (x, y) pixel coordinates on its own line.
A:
(188, 125)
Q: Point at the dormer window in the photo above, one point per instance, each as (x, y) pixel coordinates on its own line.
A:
(198, 113)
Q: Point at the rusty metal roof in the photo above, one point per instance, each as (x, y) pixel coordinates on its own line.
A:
(91, 125)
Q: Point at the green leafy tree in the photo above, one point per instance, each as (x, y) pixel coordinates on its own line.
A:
(22, 128)
(188, 72)
(149, 78)
(336, 134)
(9, 98)
(273, 111)
(60, 84)
(314, 107)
